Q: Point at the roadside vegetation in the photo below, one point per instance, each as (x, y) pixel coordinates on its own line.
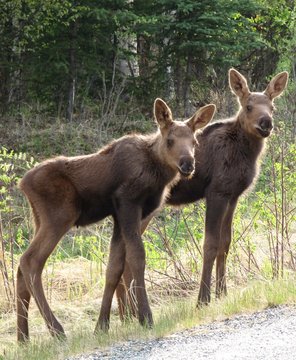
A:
(174, 314)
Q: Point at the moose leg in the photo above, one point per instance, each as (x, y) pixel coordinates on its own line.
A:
(122, 301)
(31, 265)
(22, 305)
(130, 223)
(113, 274)
(225, 240)
(125, 294)
(135, 254)
(216, 206)
(125, 288)
(23, 298)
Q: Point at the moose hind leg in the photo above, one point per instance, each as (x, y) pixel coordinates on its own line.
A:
(55, 216)
(53, 200)
(22, 305)
(31, 265)
(24, 295)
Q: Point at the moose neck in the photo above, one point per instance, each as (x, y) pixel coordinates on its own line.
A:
(254, 145)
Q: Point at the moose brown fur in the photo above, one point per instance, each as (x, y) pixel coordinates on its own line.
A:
(127, 179)
(226, 165)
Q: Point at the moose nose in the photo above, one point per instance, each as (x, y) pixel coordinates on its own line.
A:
(264, 126)
(186, 165)
(265, 123)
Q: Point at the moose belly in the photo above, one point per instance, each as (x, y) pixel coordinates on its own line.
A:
(93, 211)
(151, 203)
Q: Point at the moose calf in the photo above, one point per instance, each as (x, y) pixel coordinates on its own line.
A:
(226, 165)
(128, 180)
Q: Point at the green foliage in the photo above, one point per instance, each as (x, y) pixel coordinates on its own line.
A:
(91, 247)
(66, 54)
(12, 166)
(13, 232)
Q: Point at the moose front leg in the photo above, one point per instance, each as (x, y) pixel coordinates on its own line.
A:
(125, 289)
(125, 294)
(113, 274)
(225, 240)
(130, 223)
(135, 254)
(215, 210)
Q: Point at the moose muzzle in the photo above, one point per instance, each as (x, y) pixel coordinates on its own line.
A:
(264, 125)
(186, 165)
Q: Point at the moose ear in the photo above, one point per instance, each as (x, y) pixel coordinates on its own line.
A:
(238, 83)
(277, 85)
(162, 113)
(201, 117)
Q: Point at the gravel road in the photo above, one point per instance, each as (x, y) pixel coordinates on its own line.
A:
(264, 335)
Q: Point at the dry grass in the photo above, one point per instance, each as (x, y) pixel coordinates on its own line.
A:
(70, 289)
(74, 289)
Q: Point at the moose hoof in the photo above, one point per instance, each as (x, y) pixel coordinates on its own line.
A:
(203, 301)
(102, 325)
(22, 338)
(146, 321)
(58, 334)
(200, 304)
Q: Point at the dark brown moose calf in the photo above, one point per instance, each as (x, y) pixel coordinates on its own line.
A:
(226, 165)
(127, 179)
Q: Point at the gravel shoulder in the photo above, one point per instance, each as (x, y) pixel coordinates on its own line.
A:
(268, 334)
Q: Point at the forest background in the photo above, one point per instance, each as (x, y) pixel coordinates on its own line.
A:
(76, 74)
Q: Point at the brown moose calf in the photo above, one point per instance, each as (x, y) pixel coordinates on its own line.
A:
(227, 162)
(127, 179)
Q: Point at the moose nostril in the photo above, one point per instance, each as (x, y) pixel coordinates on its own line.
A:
(265, 123)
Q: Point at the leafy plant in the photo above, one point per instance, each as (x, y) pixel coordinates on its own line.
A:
(13, 233)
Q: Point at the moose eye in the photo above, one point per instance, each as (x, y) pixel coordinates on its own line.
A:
(170, 142)
(249, 108)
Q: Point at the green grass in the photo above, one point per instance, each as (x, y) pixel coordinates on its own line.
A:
(171, 316)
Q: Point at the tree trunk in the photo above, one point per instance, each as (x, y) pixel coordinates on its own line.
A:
(72, 71)
(186, 86)
(143, 48)
(178, 84)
